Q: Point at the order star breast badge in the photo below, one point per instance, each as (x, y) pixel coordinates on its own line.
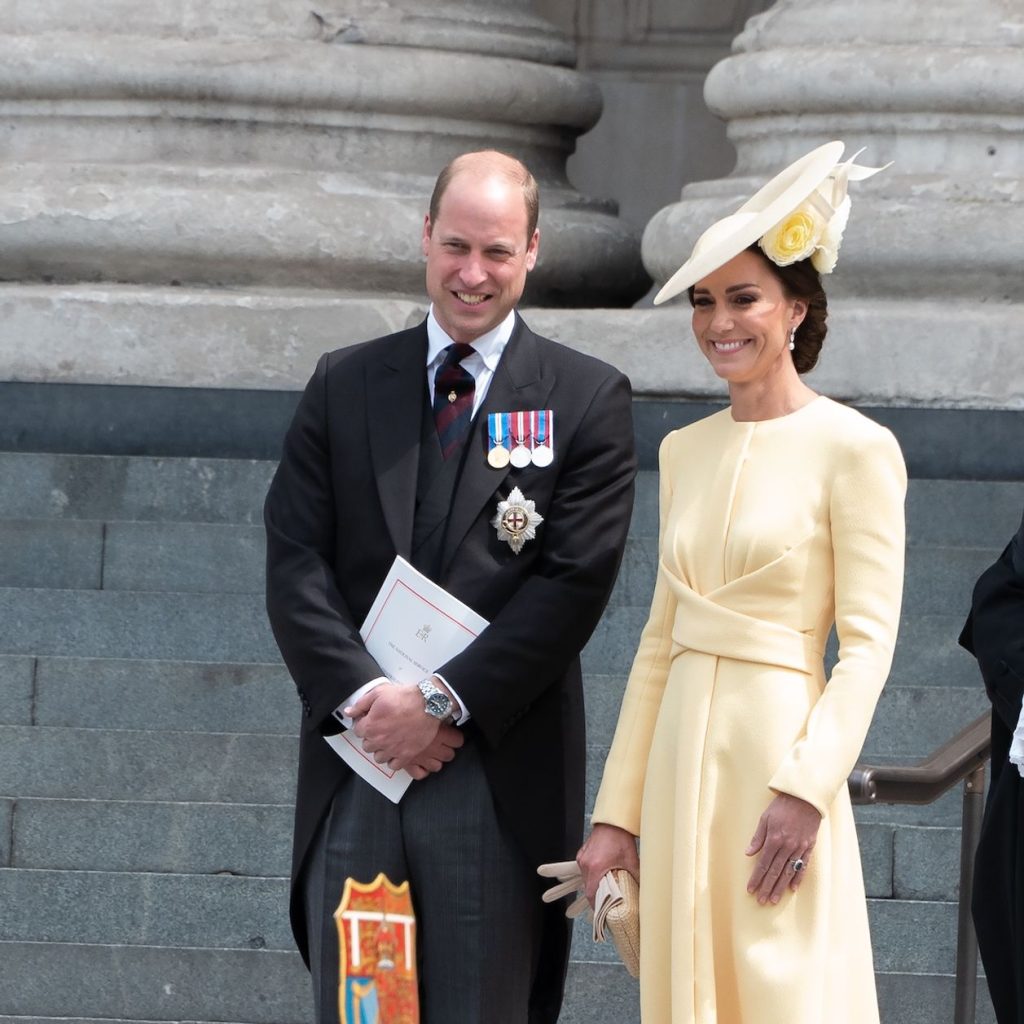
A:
(517, 520)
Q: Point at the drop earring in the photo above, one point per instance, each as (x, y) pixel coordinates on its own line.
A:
(792, 339)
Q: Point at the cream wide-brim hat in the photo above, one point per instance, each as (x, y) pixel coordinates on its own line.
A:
(729, 236)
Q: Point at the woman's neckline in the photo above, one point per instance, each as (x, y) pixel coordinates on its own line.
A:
(776, 419)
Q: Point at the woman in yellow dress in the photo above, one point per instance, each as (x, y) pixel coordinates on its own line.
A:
(779, 516)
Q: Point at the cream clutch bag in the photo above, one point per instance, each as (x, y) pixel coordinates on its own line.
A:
(616, 906)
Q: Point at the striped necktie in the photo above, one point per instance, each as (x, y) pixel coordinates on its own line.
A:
(453, 398)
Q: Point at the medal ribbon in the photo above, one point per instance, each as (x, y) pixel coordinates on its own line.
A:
(546, 428)
(520, 438)
(495, 429)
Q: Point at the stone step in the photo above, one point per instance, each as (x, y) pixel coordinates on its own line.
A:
(252, 698)
(144, 909)
(228, 912)
(252, 840)
(901, 861)
(96, 764)
(135, 624)
(43, 980)
(76, 554)
(104, 487)
(905, 998)
(112, 693)
(272, 987)
(955, 513)
(81, 1020)
(963, 513)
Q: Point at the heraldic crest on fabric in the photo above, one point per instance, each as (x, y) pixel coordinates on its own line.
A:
(377, 947)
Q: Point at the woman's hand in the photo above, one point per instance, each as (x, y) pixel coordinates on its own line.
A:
(785, 835)
(608, 846)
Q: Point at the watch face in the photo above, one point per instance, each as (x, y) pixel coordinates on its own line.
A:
(438, 705)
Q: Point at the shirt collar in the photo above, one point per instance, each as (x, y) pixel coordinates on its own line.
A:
(488, 346)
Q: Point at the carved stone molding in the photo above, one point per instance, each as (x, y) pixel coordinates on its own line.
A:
(934, 87)
(273, 147)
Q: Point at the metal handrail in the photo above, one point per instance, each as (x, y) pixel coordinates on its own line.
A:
(962, 758)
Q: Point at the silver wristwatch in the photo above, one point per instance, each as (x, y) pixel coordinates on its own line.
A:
(436, 702)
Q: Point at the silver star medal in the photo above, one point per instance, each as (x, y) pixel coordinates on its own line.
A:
(517, 520)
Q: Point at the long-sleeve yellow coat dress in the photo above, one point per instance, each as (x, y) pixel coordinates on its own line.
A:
(770, 531)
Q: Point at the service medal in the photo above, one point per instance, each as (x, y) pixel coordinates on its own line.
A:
(516, 520)
(520, 454)
(497, 458)
(497, 453)
(543, 435)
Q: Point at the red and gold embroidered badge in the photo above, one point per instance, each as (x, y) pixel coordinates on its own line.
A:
(377, 944)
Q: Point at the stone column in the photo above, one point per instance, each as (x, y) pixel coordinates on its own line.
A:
(211, 192)
(928, 297)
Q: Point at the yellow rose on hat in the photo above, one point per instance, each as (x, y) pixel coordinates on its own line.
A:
(795, 237)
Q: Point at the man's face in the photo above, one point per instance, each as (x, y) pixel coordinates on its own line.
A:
(478, 254)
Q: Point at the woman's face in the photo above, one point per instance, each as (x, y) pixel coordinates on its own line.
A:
(742, 319)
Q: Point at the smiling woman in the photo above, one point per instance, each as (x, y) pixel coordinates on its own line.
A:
(762, 288)
(779, 516)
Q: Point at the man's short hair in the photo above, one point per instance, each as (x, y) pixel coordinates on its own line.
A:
(508, 166)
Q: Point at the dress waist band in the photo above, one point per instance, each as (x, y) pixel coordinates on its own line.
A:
(702, 625)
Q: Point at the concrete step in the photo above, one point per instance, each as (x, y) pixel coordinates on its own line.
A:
(925, 998)
(230, 558)
(143, 909)
(82, 1020)
(902, 998)
(55, 983)
(963, 513)
(96, 764)
(43, 980)
(112, 693)
(252, 840)
(103, 487)
(253, 698)
(902, 861)
(124, 624)
(952, 513)
(228, 912)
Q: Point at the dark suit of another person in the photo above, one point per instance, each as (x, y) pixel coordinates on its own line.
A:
(994, 633)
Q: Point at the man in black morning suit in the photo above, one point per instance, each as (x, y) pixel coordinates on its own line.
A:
(363, 477)
(994, 634)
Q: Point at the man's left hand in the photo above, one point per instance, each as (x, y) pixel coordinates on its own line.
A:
(391, 722)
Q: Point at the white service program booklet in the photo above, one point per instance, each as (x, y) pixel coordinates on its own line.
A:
(413, 627)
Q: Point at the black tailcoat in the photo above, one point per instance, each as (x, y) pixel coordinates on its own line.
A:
(994, 633)
(341, 507)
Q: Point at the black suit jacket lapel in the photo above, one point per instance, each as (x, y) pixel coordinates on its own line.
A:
(519, 383)
(395, 393)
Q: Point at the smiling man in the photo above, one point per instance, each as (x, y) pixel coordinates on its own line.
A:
(501, 465)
